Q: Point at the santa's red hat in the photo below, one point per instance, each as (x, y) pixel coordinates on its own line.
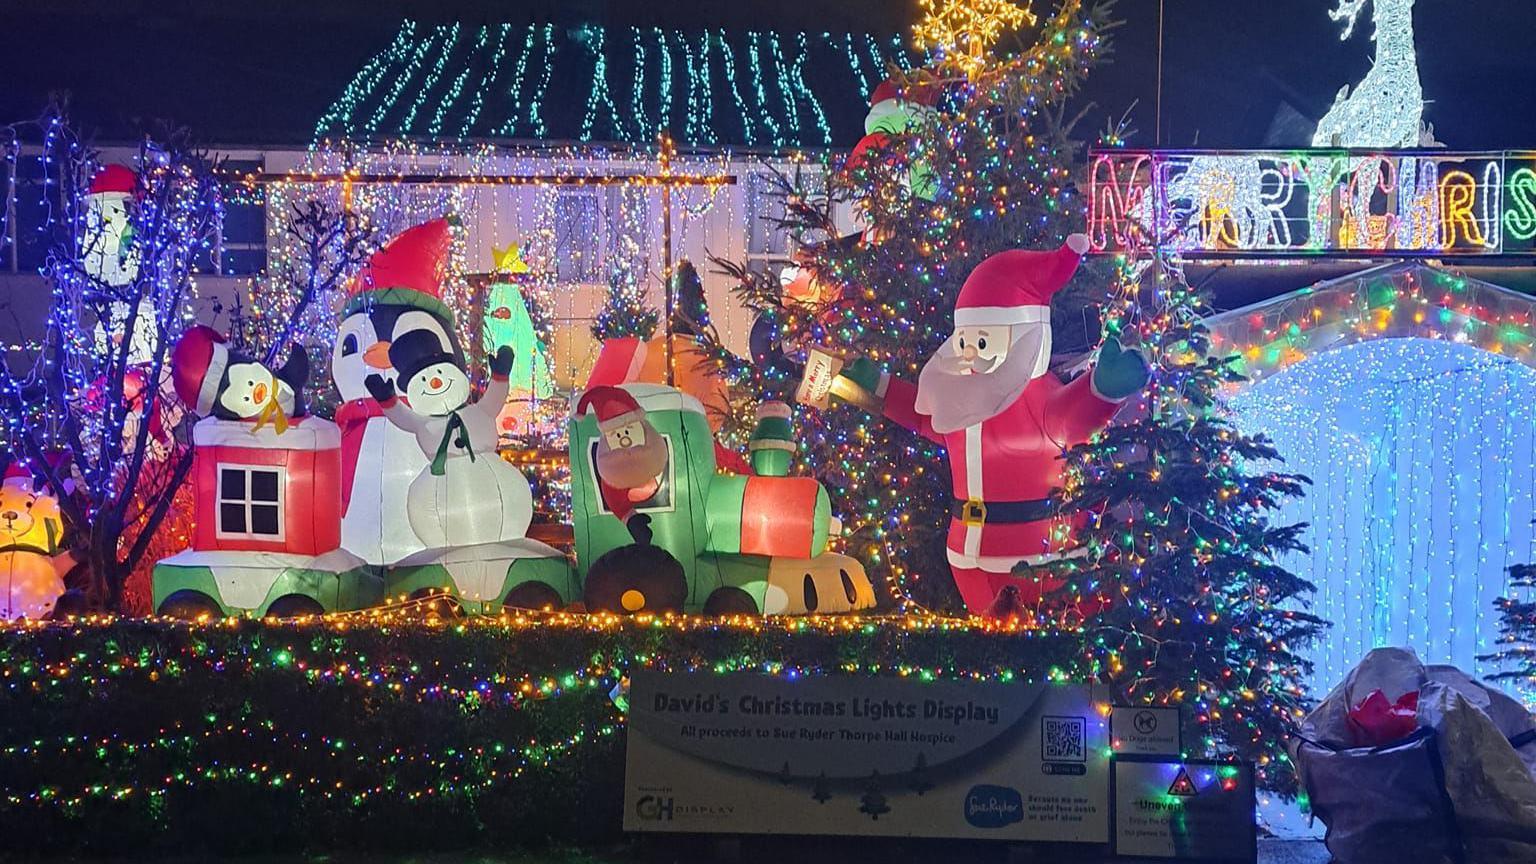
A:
(115, 180)
(892, 89)
(613, 406)
(408, 271)
(197, 366)
(619, 362)
(16, 472)
(1015, 287)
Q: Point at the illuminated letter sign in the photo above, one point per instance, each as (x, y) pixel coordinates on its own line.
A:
(1319, 202)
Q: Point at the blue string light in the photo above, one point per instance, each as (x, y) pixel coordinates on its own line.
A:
(424, 73)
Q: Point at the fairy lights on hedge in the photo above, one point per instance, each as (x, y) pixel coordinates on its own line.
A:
(344, 717)
(614, 85)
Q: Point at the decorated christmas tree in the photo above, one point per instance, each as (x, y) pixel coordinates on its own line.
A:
(966, 157)
(1184, 600)
(625, 311)
(1517, 627)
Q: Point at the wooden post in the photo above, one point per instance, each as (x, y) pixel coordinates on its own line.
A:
(666, 253)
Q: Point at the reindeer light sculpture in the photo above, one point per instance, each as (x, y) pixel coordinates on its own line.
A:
(1386, 108)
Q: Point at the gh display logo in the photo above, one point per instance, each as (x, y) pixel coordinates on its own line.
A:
(654, 808)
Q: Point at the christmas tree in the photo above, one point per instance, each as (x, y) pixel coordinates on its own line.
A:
(1184, 598)
(821, 790)
(982, 163)
(1517, 627)
(625, 312)
(872, 802)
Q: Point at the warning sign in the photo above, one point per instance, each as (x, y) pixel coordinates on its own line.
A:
(1188, 810)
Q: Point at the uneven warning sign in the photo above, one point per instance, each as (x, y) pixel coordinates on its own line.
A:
(1187, 810)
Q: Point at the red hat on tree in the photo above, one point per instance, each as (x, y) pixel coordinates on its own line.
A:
(197, 366)
(408, 271)
(115, 180)
(1015, 287)
(613, 406)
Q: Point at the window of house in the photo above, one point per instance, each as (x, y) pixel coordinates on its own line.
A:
(627, 216)
(250, 502)
(577, 235)
(770, 246)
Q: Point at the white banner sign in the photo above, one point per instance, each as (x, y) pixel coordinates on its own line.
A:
(866, 756)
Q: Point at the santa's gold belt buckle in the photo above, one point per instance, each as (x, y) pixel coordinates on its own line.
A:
(974, 512)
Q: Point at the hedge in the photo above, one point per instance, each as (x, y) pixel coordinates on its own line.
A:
(386, 731)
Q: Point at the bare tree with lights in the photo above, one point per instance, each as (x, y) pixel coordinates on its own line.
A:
(94, 416)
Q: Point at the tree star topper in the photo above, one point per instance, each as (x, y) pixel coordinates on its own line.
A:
(509, 260)
(964, 31)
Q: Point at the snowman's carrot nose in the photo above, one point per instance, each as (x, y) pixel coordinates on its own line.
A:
(260, 393)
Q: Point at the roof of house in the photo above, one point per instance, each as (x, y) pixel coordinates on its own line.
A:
(585, 82)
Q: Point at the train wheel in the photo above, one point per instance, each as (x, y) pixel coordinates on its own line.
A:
(533, 595)
(294, 606)
(190, 605)
(636, 578)
(730, 601)
(437, 602)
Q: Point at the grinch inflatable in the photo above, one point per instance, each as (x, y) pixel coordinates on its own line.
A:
(988, 396)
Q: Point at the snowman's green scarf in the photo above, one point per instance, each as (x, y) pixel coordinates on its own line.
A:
(455, 435)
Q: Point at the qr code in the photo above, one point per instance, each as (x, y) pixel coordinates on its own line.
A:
(1064, 739)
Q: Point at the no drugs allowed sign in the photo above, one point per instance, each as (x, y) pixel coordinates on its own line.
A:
(866, 756)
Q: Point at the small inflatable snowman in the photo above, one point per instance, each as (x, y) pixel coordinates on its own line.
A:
(468, 494)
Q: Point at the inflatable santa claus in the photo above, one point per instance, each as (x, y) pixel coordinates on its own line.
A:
(631, 455)
(1005, 419)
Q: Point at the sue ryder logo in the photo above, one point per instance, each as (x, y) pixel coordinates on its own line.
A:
(989, 806)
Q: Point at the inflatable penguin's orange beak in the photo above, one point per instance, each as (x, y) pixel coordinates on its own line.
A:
(377, 355)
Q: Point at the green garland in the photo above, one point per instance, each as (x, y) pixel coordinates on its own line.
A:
(388, 733)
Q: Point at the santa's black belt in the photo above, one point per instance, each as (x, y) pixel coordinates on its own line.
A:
(975, 512)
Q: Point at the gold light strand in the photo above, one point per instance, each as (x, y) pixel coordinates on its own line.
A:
(964, 31)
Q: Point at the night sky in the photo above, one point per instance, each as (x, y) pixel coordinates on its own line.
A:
(261, 73)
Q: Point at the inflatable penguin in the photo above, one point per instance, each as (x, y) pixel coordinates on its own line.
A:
(217, 382)
(399, 291)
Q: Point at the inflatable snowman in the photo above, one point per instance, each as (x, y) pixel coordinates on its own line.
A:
(468, 494)
(398, 292)
(107, 251)
(469, 506)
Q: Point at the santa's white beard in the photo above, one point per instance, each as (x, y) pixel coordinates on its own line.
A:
(953, 397)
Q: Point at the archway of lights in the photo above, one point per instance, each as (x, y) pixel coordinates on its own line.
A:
(1407, 394)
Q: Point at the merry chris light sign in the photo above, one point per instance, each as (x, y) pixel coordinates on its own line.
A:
(1269, 202)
